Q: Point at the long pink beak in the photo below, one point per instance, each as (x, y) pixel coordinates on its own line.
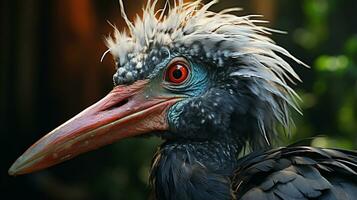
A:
(124, 112)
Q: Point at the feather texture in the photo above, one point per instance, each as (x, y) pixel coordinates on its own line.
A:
(297, 173)
(232, 42)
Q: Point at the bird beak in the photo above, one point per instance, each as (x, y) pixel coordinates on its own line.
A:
(125, 112)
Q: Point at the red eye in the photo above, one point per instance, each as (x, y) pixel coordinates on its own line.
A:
(177, 72)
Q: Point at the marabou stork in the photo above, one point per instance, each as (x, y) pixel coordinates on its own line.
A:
(211, 85)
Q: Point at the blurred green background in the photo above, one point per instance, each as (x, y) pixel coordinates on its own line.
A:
(51, 70)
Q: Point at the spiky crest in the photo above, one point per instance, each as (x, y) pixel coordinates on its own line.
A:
(222, 36)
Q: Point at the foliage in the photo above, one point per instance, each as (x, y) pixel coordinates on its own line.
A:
(329, 95)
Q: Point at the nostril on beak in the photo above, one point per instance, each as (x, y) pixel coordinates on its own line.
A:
(118, 104)
(113, 105)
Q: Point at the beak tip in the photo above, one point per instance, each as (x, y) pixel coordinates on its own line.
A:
(13, 170)
(18, 167)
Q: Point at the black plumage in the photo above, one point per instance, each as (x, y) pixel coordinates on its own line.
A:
(299, 172)
(211, 170)
(193, 170)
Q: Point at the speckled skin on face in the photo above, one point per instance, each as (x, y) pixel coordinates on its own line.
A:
(141, 65)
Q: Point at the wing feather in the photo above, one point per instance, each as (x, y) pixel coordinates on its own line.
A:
(297, 172)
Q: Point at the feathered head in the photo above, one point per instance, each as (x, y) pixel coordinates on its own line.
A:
(250, 82)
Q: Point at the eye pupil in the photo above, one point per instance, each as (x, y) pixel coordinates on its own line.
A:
(177, 74)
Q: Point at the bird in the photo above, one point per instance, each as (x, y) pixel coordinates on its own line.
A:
(216, 88)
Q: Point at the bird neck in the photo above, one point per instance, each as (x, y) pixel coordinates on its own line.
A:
(194, 169)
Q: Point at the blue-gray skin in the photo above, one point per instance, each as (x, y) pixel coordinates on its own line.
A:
(211, 126)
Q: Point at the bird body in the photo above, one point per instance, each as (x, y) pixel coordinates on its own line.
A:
(194, 171)
(212, 85)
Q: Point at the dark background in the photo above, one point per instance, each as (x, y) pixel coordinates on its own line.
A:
(50, 70)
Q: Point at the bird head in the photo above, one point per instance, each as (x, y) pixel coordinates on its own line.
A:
(181, 73)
